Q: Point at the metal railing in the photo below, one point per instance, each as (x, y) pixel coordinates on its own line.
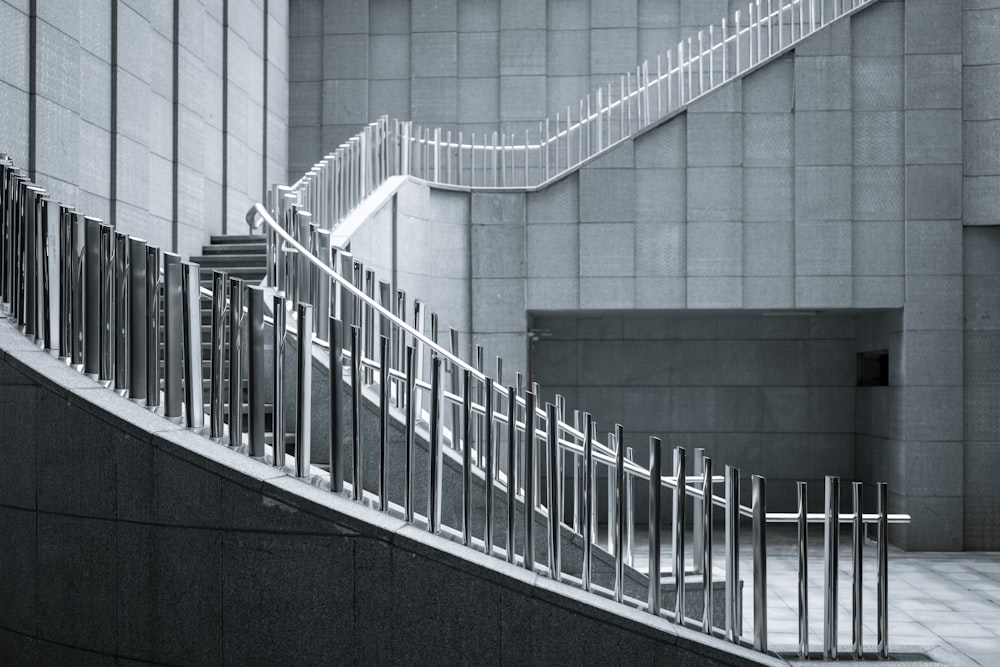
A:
(698, 65)
(128, 314)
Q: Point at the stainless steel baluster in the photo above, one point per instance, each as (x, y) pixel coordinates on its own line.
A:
(555, 491)
(256, 371)
(883, 570)
(78, 292)
(857, 533)
(383, 430)
(466, 457)
(733, 606)
(303, 395)
(194, 386)
(629, 546)
(121, 319)
(138, 314)
(759, 508)
(411, 424)
(831, 549)
(336, 329)
(107, 309)
(680, 502)
(708, 612)
(803, 552)
(619, 528)
(65, 271)
(698, 533)
(278, 366)
(237, 290)
(357, 460)
(154, 303)
(529, 481)
(173, 322)
(653, 600)
(489, 468)
(216, 379)
(511, 468)
(434, 486)
(589, 497)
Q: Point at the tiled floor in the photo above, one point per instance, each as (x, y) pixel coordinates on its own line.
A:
(944, 605)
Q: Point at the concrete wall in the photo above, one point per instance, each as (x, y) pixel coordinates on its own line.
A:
(154, 116)
(771, 395)
(470, 66)
(126, 536)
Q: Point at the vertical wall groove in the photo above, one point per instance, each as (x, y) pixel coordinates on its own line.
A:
(32, 90)
(175, 126)
(225, 116)
(264, 60)
(113, 175)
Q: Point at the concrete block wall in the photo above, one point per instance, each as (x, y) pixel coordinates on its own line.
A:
(129, 538)
(771, 395)
(155, 124)
(483, 66)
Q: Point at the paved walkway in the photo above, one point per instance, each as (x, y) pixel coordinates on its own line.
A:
(945, 606)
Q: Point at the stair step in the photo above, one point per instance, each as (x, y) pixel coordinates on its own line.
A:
(255, 260)
(235, 249)
(239, 238)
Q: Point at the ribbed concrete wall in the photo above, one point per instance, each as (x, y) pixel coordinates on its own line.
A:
(127, 536)
(165, 118)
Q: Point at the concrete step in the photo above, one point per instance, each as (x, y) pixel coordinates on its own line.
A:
(234, 249)
(228, 260)
(239, 239)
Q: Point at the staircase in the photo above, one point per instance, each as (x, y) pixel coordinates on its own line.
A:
(239, 256)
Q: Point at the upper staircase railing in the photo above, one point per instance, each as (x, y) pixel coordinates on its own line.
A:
(640, 99)
(128, 315)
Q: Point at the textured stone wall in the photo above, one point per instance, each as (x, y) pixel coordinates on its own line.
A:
(154, 116)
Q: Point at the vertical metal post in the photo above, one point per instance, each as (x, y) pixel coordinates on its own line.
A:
(78, 293)
(194, 386)
(697, 515)
(490, 473)
(511, 468)
(357, 457)
(121, 314)
(217, 360)
(173, 334)
(555, 491)
(803, 552)
(733, 606)
(411, 425)
(619, 514)
(383, 426)
(629, 545)
(708, 615)
(434, 486)
(236, 318)
(418, 355)
(138, 313)
(589, 496)
(153, 303)
(528, 479)
(831, 548)
(883, 570)
(336, 329)
(466, 445)
(857, 533)
(303, 395)
(278, 416)
(107, 337)
(759, 508)
(680, 509)
(655, 488)
(256, 372)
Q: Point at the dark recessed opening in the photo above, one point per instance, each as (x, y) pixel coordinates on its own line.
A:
(873, 369)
